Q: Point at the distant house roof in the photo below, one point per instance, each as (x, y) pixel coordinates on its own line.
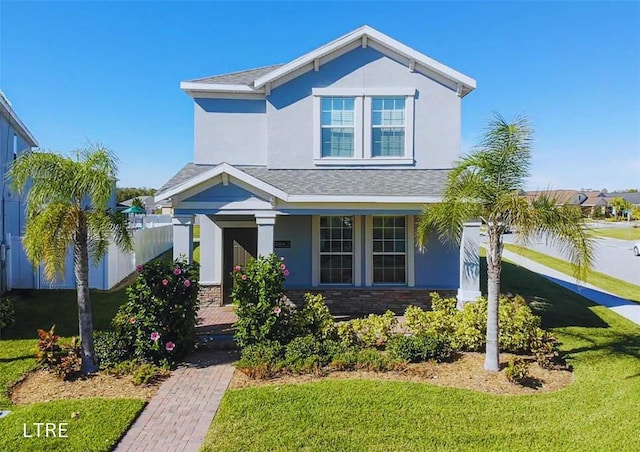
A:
(561, 196)
(595, 201)
(144, 199)
(338, 182)
(632, 197)
(7, 111)
(259, 80)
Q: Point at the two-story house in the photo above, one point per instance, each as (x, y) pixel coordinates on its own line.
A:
(327, 160)
(15, 138)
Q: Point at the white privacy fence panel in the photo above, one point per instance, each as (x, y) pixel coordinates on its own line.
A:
(117, 265)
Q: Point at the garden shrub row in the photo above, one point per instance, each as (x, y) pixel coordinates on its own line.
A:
(277, 337)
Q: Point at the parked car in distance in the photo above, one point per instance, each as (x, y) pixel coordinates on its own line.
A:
(636, 249)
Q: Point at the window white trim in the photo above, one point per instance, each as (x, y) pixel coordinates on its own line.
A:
(409, 251)
(363, 128)
(356, 253)
(351, 92)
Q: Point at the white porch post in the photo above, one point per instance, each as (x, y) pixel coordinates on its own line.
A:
(469, 288)
(266, 223)
(210, 252)
(183, 237)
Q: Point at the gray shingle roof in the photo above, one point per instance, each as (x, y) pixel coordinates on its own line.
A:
(364, 182)
(238, 78)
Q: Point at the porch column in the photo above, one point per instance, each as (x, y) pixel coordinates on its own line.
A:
(210, 252)
(183, 237)
(469, 288)
(266, 223)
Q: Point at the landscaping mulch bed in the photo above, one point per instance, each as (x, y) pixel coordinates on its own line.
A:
(465, 372)
(42, 386)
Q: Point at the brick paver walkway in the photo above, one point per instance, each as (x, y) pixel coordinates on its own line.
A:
(178, 416)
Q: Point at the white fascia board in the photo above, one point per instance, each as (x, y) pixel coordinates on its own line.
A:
(15, 122)
(218, 170)
(376, 36)
(365, 199)
(216, 87)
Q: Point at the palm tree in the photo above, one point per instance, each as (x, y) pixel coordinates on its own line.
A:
(487, 184)
(67, 205)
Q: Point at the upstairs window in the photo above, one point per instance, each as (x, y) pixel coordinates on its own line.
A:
(388, 126)
(338, 126)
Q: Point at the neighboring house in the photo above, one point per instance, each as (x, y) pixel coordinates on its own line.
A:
(149, 203)
(631, 196)
(590, 202)
(15, 138)
(326, 161)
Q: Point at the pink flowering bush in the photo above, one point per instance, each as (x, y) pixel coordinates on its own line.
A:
(158, 321)
(258, 297)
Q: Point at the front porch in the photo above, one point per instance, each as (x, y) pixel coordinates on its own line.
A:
(229, 241)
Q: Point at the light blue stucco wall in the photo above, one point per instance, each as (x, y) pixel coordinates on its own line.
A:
(278, 132)
(230, 130)
(437, 268)
(296, 229)
(290, 109)
(222, 193)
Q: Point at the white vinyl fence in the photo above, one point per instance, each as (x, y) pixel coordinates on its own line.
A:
(116, 265)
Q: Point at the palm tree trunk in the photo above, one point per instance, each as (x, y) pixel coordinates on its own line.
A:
(492, 357)
(81, 268)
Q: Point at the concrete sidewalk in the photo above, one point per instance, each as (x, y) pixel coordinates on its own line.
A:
(626, 308)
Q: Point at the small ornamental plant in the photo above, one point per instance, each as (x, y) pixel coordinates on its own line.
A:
(260, 304)
(160, 317)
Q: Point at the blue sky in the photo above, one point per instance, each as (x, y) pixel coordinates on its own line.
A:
(109, 72)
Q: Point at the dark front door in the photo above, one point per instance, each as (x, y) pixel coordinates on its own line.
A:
(240, 245)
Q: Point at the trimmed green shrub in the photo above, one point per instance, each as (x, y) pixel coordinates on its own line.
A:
(146, 373)
(261, 360)
(346, 360)
(158, 321)
(110, 348)
(314, 318)
(414, 349)
(302, 348)
(260, 304)
(374, 330)
(517, 370)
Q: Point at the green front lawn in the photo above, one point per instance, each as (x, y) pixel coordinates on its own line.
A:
(42, 308)
(596, 412)
(618, 233)
(100, 422)
(616, 286)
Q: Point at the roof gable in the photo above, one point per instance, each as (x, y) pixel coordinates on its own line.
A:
(261, 80)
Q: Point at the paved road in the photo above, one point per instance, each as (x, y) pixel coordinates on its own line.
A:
(613, 257)
(625, 308)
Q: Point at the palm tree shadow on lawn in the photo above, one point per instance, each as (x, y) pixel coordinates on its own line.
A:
(557, 306)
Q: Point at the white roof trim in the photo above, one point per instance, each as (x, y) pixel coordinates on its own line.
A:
(218, 170)
(365, 199)
(381, 38)
(16, 123)
(204, 87)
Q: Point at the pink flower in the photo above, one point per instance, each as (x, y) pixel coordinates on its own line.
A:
(277, 310)
(187, 283)
(170, 346)
(244, 277)
(155, 336)
(283, 267)
(139, 268)
(165, 282)
(132, 320)
(236, 268)
(177, 271)
(286, 273)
